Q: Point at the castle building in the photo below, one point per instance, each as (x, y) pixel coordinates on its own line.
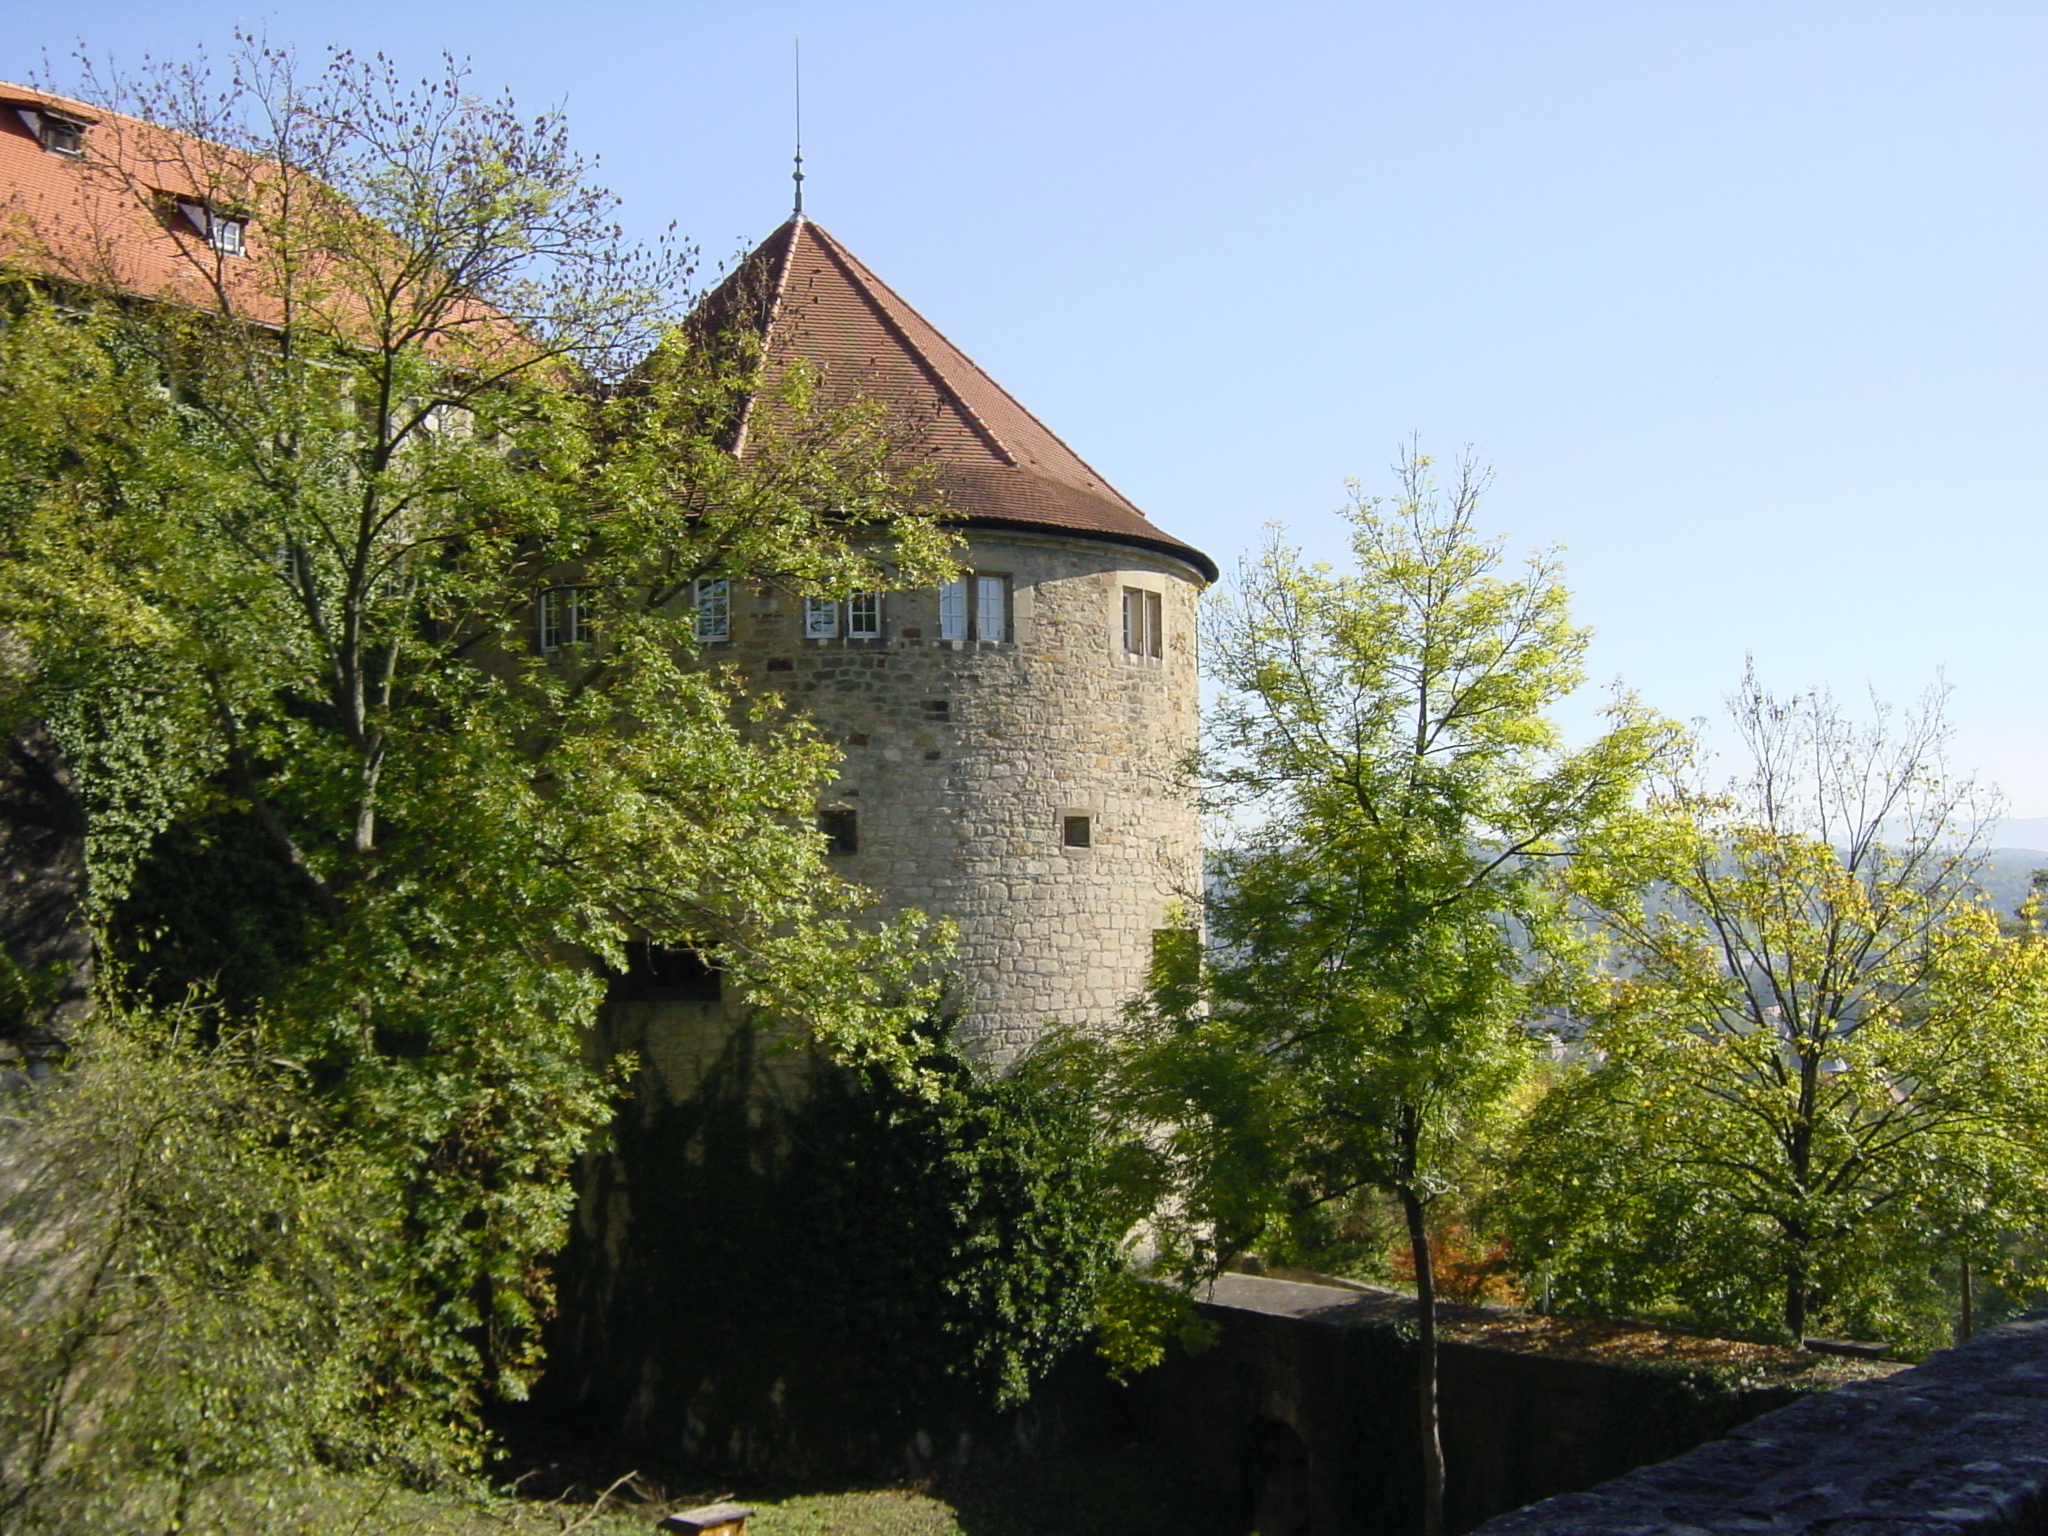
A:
(1012, 740)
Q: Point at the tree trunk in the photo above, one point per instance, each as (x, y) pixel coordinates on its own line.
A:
(1795, 1296)
(1425, 1364)
(1969, 1311)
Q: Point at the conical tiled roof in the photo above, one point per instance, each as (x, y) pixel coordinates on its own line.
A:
(997, 464)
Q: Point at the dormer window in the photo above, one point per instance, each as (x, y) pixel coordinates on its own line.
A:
(58, 132)
(226, 231)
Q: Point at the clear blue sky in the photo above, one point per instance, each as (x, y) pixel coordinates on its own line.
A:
(1744, 302)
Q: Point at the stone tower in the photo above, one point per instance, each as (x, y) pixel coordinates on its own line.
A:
(1011, 740)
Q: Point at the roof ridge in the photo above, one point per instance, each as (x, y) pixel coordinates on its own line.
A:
(864, 281)
(772, 312)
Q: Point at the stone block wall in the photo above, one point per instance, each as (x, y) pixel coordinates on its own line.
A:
(963, 760)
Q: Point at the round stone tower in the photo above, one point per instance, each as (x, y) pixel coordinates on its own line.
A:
(1011, 741)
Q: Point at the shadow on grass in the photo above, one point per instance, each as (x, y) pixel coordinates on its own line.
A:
(1135, 1491)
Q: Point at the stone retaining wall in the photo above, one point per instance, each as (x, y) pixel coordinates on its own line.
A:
(1301, 1418)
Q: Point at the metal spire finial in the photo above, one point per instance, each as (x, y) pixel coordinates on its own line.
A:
(798, 175)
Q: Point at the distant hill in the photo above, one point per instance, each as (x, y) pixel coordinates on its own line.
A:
(2021, 832)
(2006, 871)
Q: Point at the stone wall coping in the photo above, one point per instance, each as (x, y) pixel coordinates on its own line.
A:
(1957, 1446)
(1337, 1305)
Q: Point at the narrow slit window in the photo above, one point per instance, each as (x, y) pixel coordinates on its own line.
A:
(1077, 831)
(821, 618)
(953, 611)
(714, 609)
(864, 616)
(842, 831)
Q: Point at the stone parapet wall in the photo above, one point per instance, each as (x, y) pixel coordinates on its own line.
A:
(1955, 1447)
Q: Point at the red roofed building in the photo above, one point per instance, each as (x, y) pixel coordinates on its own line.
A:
(1012, 742)
(116, 203)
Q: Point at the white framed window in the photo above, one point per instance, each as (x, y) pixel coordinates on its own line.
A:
(226, 232)
(565, 614)
(59, 134)
(821, 618)
(975, 608)
(1144, 622)
(864, 616)
(992, 607)
(953, 611)
(714, 609)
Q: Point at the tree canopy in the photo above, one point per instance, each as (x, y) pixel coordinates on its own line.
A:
(1811, 1077)
(1400, 799)
(271, 565)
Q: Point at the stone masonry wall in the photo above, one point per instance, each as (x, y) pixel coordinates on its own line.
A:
(963, 758)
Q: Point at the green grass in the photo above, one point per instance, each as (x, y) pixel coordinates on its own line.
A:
(1099, 1493)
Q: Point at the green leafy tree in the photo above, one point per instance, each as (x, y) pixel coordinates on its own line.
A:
(271, 561)
(1381, 739)
(1811, 1079)
(196, 1279)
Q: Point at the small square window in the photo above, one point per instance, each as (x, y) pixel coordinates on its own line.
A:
(1077, 832)
(821, 618)
(864, 616)
(714, 609)
(842, 831)
(225, 232)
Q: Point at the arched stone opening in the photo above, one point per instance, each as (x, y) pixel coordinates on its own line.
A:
(1280, 1480)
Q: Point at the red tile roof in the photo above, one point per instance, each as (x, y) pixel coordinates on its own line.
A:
(997, 463)
(118, 217)
(109, 217)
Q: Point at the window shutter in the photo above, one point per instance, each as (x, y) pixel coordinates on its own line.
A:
(992, 618)
(953, 611)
